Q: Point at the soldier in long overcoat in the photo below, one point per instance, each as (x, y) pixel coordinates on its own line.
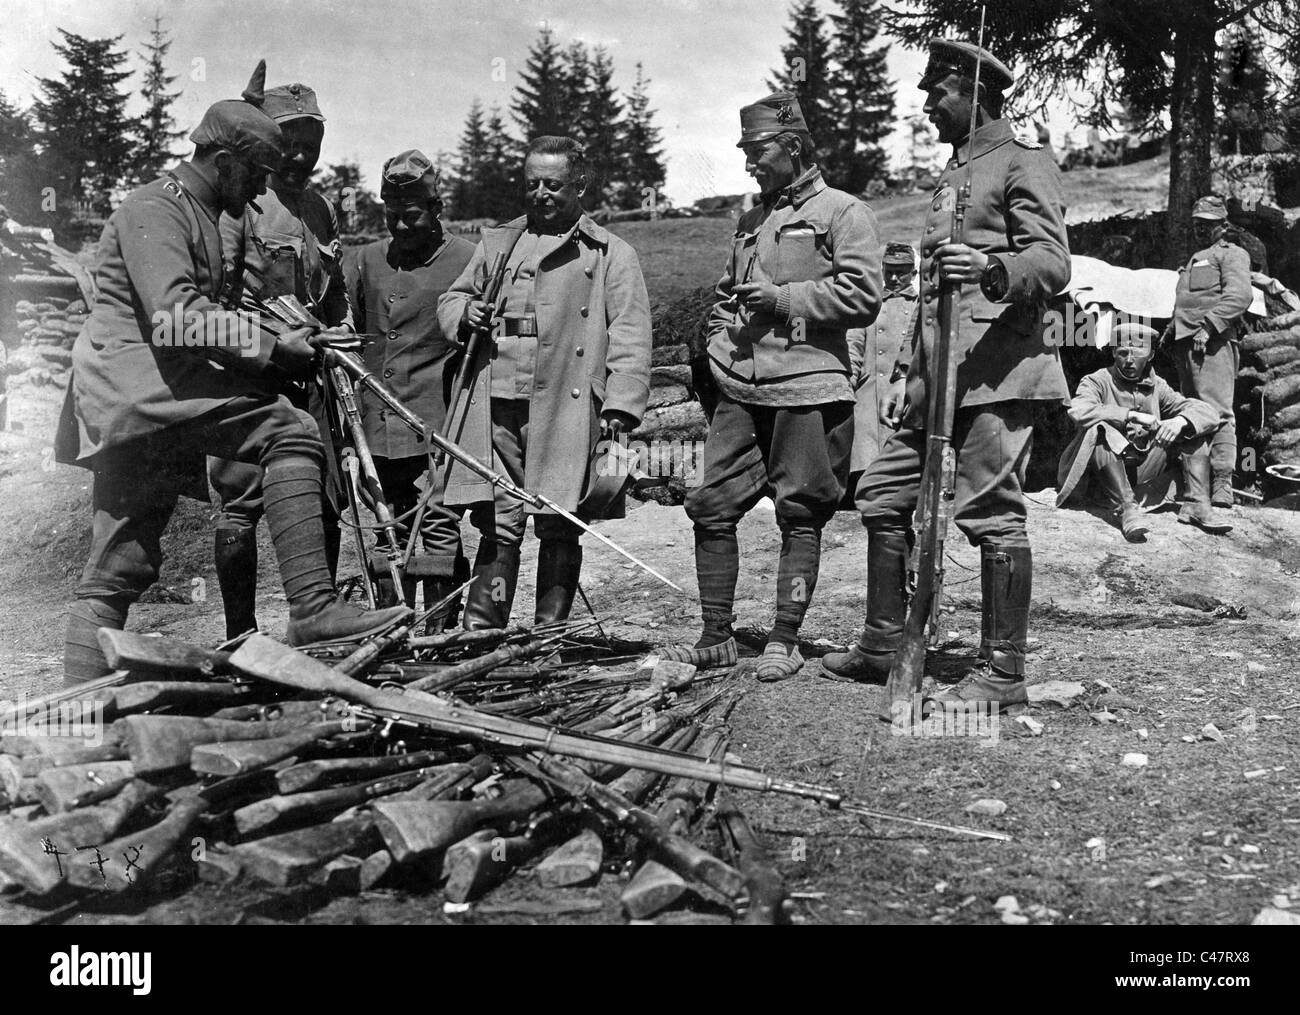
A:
(568, 361)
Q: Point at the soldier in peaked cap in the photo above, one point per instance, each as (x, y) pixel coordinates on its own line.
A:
(395, 285)
(1212, 297)
(1013, 258)
(285, 244)
(877, 353)
(163, 374)
(804, 268)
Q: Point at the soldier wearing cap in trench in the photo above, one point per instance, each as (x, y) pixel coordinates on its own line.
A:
(567, 368)
(163, 374)
(1131, 424)
(804, 268)
(879, 355)
(286, 243)
(395, 284)
(1014, 257)
(1213, 295)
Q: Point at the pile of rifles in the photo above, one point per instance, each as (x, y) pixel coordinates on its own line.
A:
(407, 763)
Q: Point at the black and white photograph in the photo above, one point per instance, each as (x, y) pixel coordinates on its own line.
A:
(652, 462)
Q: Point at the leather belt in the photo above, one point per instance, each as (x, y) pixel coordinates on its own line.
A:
(519, 325)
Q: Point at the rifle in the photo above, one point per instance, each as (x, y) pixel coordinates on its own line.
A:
(938, 477)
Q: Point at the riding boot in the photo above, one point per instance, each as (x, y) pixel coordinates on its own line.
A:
(235, 553)
(558, 565)
(869, 661)
(1006, 574)
(491, 597)
(1196, 508)
(291, 490)
(1113, 478)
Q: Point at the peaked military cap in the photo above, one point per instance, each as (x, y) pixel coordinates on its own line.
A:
(770, 116)
(411, 175)
(240, 126)
(1131, 334)
(899, 255)
(283, 102)
(951, 56)
(1210, 207)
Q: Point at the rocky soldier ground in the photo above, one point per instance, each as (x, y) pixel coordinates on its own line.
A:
(1206, 831)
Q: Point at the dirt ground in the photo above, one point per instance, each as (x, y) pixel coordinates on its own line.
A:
(1205, 832)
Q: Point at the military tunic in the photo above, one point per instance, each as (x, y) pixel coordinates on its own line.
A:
(875, 351)
(1004, 361)
(1213, 294)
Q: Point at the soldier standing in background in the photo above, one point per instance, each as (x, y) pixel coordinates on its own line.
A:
(880, 355)
(804, 269)
(1213, 294)
(395, 284)
(145, 404)
(287, 244)
(568, 364)
(1015, 256)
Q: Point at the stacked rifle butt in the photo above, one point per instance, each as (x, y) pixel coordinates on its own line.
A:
(246, 768)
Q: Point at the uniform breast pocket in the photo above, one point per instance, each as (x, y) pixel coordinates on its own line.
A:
(802, 253)
(280, 262)
(744, 249)
(1202, 276)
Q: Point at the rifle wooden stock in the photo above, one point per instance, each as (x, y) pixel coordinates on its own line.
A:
(66, 787)
(23, 856)
(81, 692)
(147, 694)
(233, 757)
(576, 861)
(61, 749)
(13, 770)
(762, 880)
(159, 656)
(422, 830)
(311, 775)
(157, 743)
(458, 674)
(283, 811)
(261, 657)
(292, 857)
(485, 859)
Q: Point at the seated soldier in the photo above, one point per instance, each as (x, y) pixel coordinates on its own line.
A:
(1128, 420)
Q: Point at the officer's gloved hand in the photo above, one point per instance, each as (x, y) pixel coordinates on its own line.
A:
(294, 354)
(613, 422)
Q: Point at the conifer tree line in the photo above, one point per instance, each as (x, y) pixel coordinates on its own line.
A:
(77, 149)
(566, 91)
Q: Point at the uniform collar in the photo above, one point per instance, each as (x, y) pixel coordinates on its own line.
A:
(1144, 384)
(806, 186)
(907, 293)
(199, 188)
(991, 135)
(584, 225)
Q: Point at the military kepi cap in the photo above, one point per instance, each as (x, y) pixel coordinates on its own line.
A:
(239, 126)
(899, 255)
(777, 114)
(1210, 207)
(409, 175)
(951, 56)
(283, 102)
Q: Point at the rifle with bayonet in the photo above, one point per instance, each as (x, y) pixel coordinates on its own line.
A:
(939, 472)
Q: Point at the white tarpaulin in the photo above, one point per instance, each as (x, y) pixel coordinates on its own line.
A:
(1144, 292)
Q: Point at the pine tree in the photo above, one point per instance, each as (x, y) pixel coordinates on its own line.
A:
(466, 193)
(85, 135)
(599, 129)
(501, 176)
(541, 100)
(1247, 105)
(359, 212)
(640, 148)
(861, 99)
(156, 132)
(19, 179)
(577, 87)
(806, 71)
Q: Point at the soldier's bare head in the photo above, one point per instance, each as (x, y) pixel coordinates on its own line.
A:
(555, 178)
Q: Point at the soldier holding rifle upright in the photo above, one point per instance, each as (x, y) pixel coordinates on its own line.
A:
(568, 361)
(804, 268)
(162, 375)
(1015, 257)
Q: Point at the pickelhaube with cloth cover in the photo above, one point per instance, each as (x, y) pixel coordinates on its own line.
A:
(410, 175)
(778, 113)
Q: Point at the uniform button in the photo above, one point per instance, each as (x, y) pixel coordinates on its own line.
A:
(392, 335)
(388, 372)
(582, 311)
(392, 297)
(575, 392)
(929, 229)
(587, 272)
(578, 351)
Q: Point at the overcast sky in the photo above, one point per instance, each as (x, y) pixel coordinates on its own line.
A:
(397, 74)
